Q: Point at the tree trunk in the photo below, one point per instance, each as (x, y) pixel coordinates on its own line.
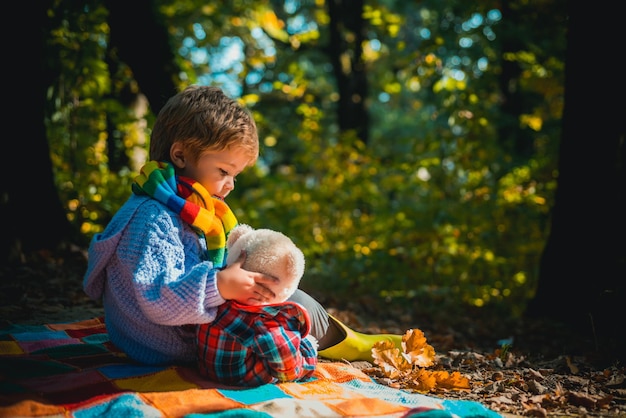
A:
(582, 270)
(142, 41)
(347, 34)
(32, 216)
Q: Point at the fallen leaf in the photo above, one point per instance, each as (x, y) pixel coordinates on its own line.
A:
(416, 350)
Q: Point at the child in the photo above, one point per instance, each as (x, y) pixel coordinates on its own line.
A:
(158, 265)
(251, 345)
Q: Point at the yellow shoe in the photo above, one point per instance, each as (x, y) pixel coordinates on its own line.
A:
(356, 345)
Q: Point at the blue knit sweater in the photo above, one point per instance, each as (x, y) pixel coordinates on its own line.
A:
(147, 267)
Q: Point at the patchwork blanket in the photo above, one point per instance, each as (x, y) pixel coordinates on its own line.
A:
(72, 370)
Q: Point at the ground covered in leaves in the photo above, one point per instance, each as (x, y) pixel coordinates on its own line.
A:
(515, 367)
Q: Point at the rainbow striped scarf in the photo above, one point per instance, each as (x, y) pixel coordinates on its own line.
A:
(208, 216)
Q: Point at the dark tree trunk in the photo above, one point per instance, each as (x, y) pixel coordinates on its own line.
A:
(142, 41)
(582, 270)
(32, 216)
(347, 33)
(514, 140)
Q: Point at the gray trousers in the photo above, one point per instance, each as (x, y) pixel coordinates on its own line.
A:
(327, 332)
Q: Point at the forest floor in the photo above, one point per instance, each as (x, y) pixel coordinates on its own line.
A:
(515, 367)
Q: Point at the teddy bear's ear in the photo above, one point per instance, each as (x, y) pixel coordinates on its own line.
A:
(237, 232)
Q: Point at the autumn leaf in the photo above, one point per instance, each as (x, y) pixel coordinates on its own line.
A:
(409, 366)
(422, 381)
(416, 350)
(387, 356)
(454, 380)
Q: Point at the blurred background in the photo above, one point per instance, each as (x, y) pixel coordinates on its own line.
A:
(412, 149)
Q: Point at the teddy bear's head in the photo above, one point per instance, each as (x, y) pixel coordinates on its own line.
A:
(269, 252)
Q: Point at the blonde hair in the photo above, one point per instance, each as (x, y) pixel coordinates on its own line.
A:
(204, 119)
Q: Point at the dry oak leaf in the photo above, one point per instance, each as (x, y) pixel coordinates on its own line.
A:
(422, 380)
(387, 356)
(416, 350)
(409, 365)
(454, 380)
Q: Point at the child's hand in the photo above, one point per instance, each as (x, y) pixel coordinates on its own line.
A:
(244, 286)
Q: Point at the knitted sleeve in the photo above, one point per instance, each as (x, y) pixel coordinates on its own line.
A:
(162, 257)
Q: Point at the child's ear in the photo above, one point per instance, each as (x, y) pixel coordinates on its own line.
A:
(177, 154)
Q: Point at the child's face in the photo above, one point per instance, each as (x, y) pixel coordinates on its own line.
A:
(216, 171)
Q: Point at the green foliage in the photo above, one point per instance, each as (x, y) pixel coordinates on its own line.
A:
(383, 229)
(437, 207)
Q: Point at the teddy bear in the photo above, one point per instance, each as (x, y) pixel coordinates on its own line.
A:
(269, 252)
(251, 345)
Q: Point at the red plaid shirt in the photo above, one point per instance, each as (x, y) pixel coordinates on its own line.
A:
(251, 345)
